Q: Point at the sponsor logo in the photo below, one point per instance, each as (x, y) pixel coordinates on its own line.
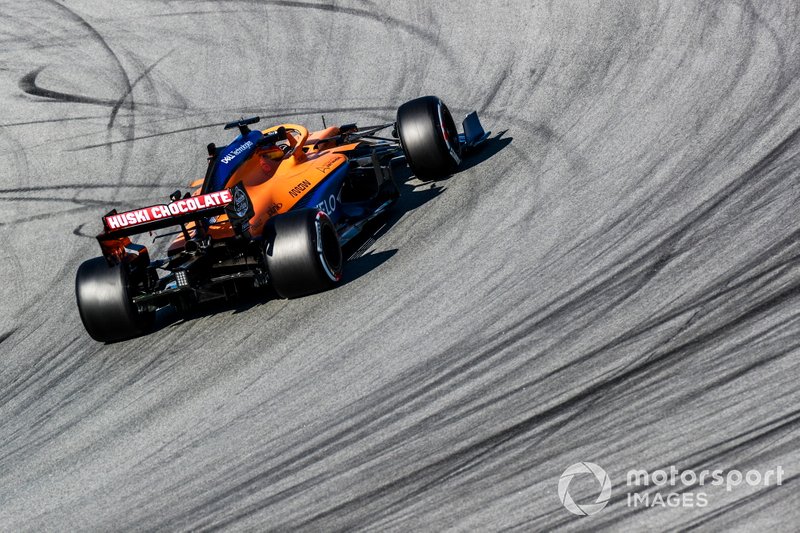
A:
(240, 204)
(230, 156)
(299, 188)
(274, 208)
(587, 508)
(158, 212)
(329, 205)
(327, 166)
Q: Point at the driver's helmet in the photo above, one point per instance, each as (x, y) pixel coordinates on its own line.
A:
(273, 152)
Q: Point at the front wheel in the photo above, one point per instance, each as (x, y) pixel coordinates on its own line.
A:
(302, 252)
(106, 309)
(429, 137)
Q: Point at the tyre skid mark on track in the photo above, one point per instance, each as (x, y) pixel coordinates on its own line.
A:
(64, 212)
(386, 20)
(128, 93)
(86, 202)
(764, 433)
(217, 124)
(491, 93)
(6, 335)
(394, 488)
(78, 231)
(81, 186)
(65, 362)
(27, 84)
(630, 374)
(40, 369)
(724, 515)
(739, 190)
(434, 474)
(381, 17)
(50, 121)
(97, 37)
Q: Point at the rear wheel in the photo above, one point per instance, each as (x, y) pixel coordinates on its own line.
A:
(104, 302)
(302, 252)
(429, 137)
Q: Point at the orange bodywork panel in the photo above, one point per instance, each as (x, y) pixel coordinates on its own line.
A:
(276, 185)
(114, 248)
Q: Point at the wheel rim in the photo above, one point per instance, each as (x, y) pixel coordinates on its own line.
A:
(449, 132)
(328, 249)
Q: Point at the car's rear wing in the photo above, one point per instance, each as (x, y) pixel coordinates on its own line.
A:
(161, 216)
(117, 227)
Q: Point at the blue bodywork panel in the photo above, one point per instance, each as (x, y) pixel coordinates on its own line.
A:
(230, 157)
(325, 196)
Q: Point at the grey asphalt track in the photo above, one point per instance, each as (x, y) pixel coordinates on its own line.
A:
(615, 279)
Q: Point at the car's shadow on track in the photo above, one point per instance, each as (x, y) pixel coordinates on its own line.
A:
(413, 194)
(360, 261)
(490, 148)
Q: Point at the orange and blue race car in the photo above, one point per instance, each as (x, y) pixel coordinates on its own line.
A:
(274, 209)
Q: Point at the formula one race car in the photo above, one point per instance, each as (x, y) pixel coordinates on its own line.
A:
(274, 209)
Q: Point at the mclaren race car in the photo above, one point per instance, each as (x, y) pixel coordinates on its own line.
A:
(274, 209)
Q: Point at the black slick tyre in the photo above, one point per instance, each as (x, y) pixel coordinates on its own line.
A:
(429, 137)
(104, 302)
(302, 252)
